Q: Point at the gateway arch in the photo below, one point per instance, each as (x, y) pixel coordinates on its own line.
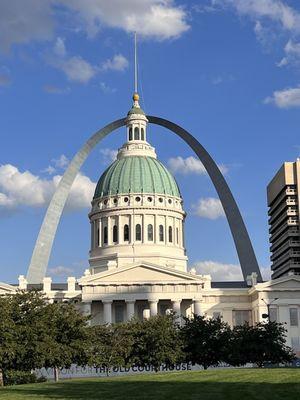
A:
(43, 246)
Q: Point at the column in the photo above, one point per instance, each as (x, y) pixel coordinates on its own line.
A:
(130, 309)
(109, 233)
(176, 306)
(197, 307)
(107, 312)
(153, 307)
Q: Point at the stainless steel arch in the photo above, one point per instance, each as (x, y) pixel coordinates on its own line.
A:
(238, 229)
(43, 246)
(41, 253)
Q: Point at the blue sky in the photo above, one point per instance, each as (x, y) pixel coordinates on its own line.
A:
(226, 70)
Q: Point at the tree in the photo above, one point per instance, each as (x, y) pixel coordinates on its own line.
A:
(156, 342)
(110, 346)
(65, 341)
(8, 347)
(259, 344)
(205, 340)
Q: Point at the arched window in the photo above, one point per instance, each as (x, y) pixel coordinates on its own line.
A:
(170, 234)
(150, 233)
(177, 235)
(105, 235)
(126, 233)
(142, 134)
(98, 237)
(115, 234)
(161, 233)
(130, 134)
(136, 133)
(138, 232)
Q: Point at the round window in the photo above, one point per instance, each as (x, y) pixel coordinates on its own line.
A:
(170, 201)
(137, 198)
(115, 200)
(149, 199)
(105, 202)
(126, 199)
(161, 199)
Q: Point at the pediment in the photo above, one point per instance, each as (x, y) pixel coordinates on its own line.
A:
(284, 283)
(141, 273)
(6, 288)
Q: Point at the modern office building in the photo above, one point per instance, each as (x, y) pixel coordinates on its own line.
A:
(284, 205)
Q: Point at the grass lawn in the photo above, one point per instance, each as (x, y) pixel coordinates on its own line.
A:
(205, 385)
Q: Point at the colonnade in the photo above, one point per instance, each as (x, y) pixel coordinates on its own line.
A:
(150, 310)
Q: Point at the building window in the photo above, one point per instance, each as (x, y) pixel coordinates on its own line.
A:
(161, 233)
(294, 316)
(142, 134)
(170, 234)
(136, 133)
(273, 314)
(177, 235)
(130, 133)
(295, 343)
(150, 232)
(98, 238)
(216, 315)
(119, 313)
(240, 317)
(126, 233)
(105, 235)
(115, 234)
(138, 232)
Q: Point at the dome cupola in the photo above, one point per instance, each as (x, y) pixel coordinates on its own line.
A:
(137, 213)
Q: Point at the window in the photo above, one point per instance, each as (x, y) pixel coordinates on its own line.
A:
(130, 133)
(273, 314)
(216, 315)
(295, 343)
(138, 232)
(150, 232)
(105, 235)
(161, 233)
(119, 313)
(136, 133)
(177, 235)
(126, 233)
(294, 316)
(98, 237)
(142, 134)
(115, 234)
(240, 317)
(170, 234)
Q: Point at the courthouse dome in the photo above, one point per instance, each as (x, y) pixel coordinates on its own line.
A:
(136, 174)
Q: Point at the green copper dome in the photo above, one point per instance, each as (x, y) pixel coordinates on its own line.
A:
(136, 174)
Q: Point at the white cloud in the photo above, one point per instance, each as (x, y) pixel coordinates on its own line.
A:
(209, 207)
(56, 89)
(108, 155)
(24, 189)
(159, 19)
(277, 11)
(61, 162)
(22, 22)
(292, 54)
(117, 63)
(60, 271)
(225, 272)
(107, 89)
(219, 271)
(36, 20)
(77, 69)
(190, 165)
(286, 98)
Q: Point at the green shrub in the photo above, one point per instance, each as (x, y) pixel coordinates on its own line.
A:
(21, 377)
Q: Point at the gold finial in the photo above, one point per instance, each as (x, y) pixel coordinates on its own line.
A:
(135, 96)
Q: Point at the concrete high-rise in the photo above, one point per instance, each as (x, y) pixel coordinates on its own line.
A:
(284, 209)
